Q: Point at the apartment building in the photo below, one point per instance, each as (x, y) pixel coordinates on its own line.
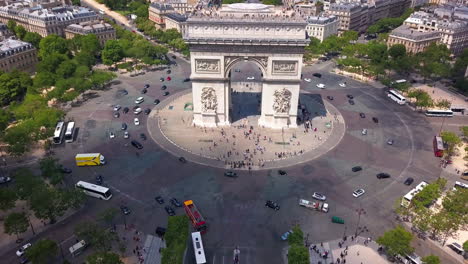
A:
(45, 21)
(414, 41)
(102, 30)
(351, 16)
(182, 6)
(176, 21)
(322, 27)
(17, 55)
(453, 32)
(157, 12)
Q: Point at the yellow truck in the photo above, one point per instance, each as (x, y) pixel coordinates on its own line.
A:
(90, 159)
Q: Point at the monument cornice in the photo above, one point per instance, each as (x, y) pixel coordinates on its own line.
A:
(236, 49)
(250, 42)
(211, 22)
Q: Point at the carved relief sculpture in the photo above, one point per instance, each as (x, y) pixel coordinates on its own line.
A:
(284, 66)
(209, 100)
(282, 101)
(206, 65)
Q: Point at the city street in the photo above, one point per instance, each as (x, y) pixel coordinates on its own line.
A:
(235, 208)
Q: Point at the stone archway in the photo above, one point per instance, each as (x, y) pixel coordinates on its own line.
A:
(268, 37)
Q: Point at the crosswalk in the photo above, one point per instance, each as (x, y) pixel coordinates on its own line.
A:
(224, 255)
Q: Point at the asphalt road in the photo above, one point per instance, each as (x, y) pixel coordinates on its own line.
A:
(235, 208)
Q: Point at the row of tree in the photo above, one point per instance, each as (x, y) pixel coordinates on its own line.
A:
(297, 253)
(389, 23)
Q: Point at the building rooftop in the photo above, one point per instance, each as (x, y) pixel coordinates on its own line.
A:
(405, 31)
(161, 6)
(177, 17)
(61, 13)
(344, 7)
(321, 20)
(10, 46)
(89, 27)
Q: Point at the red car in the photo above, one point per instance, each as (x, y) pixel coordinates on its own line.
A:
(168, 78)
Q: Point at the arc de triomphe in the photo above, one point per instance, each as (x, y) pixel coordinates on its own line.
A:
(272, 39)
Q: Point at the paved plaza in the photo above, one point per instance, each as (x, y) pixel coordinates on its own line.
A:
(244, 144)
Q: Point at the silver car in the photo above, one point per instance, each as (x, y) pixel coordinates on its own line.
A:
(358, 193)
(319, 196)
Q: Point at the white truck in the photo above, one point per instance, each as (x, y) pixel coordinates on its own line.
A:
(319, 206)
(76, 249)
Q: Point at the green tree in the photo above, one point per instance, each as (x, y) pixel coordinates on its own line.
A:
(42, 252)
(90, 44)
(176, 239)
(18, 139)
(76, 2)
(13, 86)
(350, 35)
(95, 235)
(50, 169)
(396, 241)
(66, 69)
(377, 52)
(33, 38)
(8, 198)
(84, 58)
(52, 44)
(452, 140)
(423, 99)
(51, 63)
(112, 52)
(464, 130)
(108, 215)
(465, 246)
(458, 72)
(16, 223)
(20, 31)
(5, 118)
(434, 61)
(298, 254)
(426, 196)
(26, 182)
(104, 258)
(397, 51)
(11, 25)
(431, 259)
(44, 79)
(443, 103)
(296, 237)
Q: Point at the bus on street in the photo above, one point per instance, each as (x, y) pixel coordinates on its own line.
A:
(439, 112)
(397, 97)
(70, 132)
(58, 133)
(198, 248)
(198, 222)
(406, 201)
(438, 144)
(93, 190)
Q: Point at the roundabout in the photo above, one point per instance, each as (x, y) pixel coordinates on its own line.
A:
(244, 144)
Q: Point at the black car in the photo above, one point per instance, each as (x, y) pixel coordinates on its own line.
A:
(318, 75)
(187, 80)
(4, 179)
(362, 115)
(375, 119)
(383, 175)
(164, 87)
(166, 93)
(282, 172)
(124, 210)
(144, 91)
(330, 98)
(356, 168)
(183, 160)
(116, 114)
(168, 71)
(24, 260)
(159, 199)
(174, 57)
(143, 136)
(350, 96)
(156, 101)
(99, 179)
(161, 79)
(351, 102)
(65, 170)
(136, 144)
(175, 202)
(124, 126)
(409, 181)
(147, 111)
(147, 86)
(169, 211)
(160, 231)
(230, 174)
(125, 110)
(272, 205)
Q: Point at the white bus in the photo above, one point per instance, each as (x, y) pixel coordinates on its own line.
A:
(405, 202)
(400, 81)
(198, 248)
(58, 133)
(93, 190)
(439, 112)
(397, 97)
(70, 132)
(76, 249)
(460, 185)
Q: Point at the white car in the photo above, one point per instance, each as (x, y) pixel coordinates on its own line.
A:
(342, 84)
(117, 108)
(139, 100)
(126, 134)
(321, 86)
(111, 135)
(21, 250)
(251, 78)
(307, 80)
(319, 196)
(358, 192)
(364, 132)
(137, 111)
(136, 121)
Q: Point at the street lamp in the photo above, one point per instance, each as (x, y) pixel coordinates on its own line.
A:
(360, 212)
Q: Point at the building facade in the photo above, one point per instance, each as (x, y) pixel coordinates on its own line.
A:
(182, 6)
(453, 33)
(45, 21)
(157, 12)
(414, 41)
(17, 55)
(102, 30)
(322, 27)
(176, 21)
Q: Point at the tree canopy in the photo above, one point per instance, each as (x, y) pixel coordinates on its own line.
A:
(104, 258)
(396, 241)
(16, 223)
(42, 252)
